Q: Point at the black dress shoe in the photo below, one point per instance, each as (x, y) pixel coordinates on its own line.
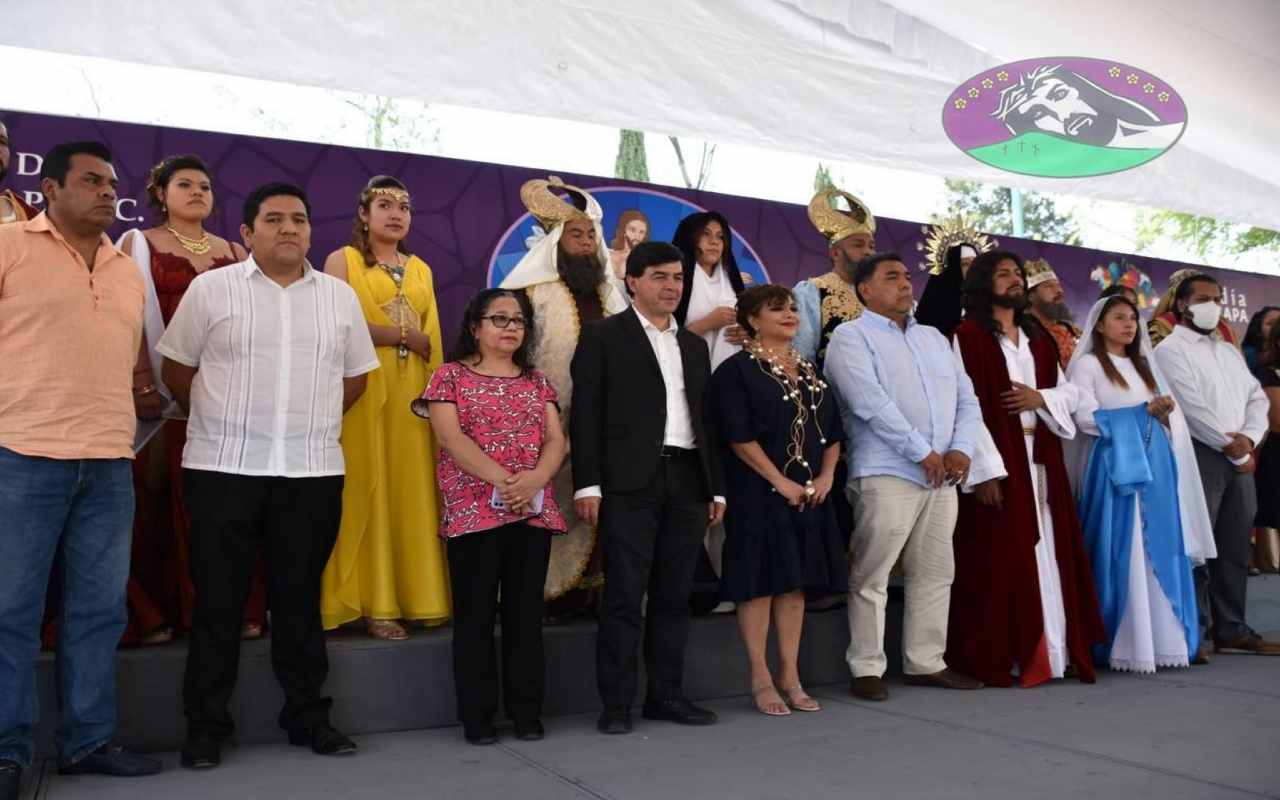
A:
(869, 687)
(678, 710)
(530, 730)
(480, 734)
(201, 752)
(10, 779)
(112, 759)
(324, 740)
(614, 720)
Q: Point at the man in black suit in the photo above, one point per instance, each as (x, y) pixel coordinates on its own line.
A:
(646, 474)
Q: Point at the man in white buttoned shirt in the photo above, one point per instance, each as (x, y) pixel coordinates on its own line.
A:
(265, 356)
(1226, 411)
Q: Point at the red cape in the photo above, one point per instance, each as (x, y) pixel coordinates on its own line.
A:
(996, 617)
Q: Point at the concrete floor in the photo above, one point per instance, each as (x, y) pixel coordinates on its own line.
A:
(1203, 732)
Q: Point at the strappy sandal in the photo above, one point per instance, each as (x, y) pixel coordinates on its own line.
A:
(801, 703)
(778, 709)
(387, 629)
(250, 631)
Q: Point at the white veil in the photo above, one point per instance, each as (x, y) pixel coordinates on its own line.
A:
(1197, 530)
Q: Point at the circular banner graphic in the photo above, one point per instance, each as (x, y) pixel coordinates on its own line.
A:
(1064, 117)
(632, 214)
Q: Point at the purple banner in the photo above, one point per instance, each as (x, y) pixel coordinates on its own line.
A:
(466, 213)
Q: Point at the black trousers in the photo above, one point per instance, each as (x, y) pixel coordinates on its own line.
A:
(296, 522)
(509, 562)
(651, 541)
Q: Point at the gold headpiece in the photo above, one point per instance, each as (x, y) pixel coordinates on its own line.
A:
(548, 208)
(835, 224)
(942, 236)
(394, 192)
(1038, 271)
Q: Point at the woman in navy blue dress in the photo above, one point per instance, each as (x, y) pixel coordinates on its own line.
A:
(778, 420)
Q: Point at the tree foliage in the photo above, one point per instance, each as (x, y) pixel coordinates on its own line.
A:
(990, 209)
(632, 163)
(1204, 235)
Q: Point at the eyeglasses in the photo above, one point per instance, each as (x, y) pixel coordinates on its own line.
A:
(503, 321)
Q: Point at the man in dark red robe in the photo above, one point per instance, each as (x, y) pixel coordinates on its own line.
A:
(1023, 597)
(12, 207)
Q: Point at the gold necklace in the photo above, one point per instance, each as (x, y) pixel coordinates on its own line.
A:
(775, 364)
(197, 247)
(396, 273)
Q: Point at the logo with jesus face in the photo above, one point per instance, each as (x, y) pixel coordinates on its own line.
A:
(1064, 117)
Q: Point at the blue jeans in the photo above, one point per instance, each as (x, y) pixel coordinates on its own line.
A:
(82, 510)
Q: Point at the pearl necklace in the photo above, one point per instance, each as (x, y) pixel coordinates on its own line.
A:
(198, 246)
(775, 364)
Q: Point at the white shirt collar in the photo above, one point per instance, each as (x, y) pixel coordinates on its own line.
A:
(647, 325)
(884, 321)
(251, 266)
(1183, 332)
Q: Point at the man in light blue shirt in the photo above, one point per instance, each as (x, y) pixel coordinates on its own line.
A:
(913, 421)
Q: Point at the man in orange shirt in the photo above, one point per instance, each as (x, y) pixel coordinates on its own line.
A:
(70, 326)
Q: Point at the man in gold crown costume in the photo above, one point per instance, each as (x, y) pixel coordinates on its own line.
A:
(564, 275)
(12, 207)
(1048, 305)
(829, 299)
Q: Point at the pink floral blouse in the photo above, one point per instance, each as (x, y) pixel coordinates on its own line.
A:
(506, 417)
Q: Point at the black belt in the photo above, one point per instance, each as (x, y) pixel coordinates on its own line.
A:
(677, 452)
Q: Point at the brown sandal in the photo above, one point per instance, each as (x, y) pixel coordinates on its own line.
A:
(798, 699)
(387, 629)
(778, 709)
(251, 630)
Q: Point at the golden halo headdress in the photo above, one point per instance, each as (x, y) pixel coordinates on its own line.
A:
(942, 236)
(394, 192)
(547, 206)
(835, 224)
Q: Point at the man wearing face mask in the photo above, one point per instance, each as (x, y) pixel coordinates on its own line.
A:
(1226, 411)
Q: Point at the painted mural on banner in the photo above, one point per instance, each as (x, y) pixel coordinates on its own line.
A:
(469, 224)
(1064, 117)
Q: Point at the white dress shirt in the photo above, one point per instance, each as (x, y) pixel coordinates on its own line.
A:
(1212, 384)
(267, 396)
(679, 428)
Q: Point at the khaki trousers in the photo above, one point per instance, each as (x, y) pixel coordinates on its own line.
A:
(892, 517)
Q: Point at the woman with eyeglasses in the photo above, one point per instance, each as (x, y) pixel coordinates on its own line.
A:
(501, 443)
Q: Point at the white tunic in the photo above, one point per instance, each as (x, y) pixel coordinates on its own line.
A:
(1149, 634)
(708, 293)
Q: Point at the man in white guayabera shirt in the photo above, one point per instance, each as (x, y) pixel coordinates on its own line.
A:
(1226, 411)
(265, 356)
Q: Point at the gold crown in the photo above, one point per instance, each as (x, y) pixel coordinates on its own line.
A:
(547, 207)
(394, 192)
(1038, 271)
(835, 224)
(941, 237)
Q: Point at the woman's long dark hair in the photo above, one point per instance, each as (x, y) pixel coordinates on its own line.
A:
(467, 347)
(941, 300)
(1255, 343)
(359, 229)
(686, 238)
(979, 299)
(1133, 349)
(1269, 352)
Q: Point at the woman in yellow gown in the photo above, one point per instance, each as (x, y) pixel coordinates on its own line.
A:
(388, 564)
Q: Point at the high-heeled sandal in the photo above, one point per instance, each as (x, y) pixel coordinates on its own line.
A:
(778, 709)
(801, 703)
(387, 629)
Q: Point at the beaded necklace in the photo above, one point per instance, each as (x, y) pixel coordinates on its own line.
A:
(396, 273)
(774, 363)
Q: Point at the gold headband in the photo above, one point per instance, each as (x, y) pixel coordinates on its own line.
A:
(1038, 271)
(836, 224)
(394, 192)
(548, 208)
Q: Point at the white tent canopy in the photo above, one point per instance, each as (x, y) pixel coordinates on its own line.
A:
(850, 80)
